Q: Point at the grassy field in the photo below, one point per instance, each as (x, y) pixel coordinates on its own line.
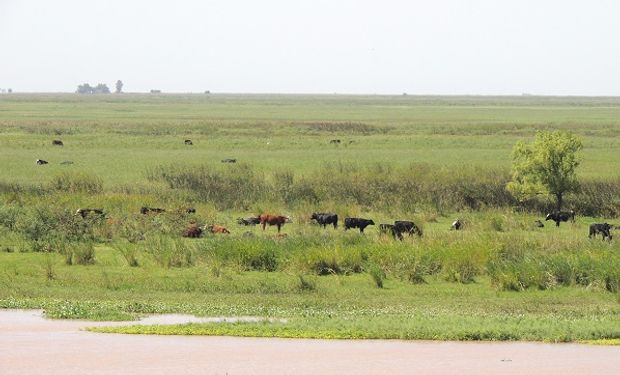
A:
(429, 159)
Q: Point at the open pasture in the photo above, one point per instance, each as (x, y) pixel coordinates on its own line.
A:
(116, 137)
(426, 159)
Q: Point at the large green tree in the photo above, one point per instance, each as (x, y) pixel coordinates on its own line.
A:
(546, 166)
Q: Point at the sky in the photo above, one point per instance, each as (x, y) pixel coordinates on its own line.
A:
(441, 47)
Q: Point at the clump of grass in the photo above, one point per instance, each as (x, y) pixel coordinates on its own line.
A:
(83, 253)
(170, 252)
(129, 252)
(48, 268)
(306, 284)
(377, 275)
(77, 182)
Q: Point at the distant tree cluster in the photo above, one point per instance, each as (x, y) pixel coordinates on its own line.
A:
(86, 88)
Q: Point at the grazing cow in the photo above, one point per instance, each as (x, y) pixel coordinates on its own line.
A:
(325, 218)
(559, 216)
(335, 141)
(192, 231)
(404, 226)
(188, 142)
(355, 222)
(273, 220)
(84, 212)
(249, 221)
(216, 229)
(229, 160)
(539, 224)
(41, 162)
(457, 224)
(603, 229)
(147, 210)
(57, 142)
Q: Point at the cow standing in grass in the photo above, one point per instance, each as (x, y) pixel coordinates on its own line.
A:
(604, 229)
(408, 227)
(277, 220)
(559, 216)
(325, 218)
(356, 222)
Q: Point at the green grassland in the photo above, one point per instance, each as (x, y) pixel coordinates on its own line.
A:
(428, 159)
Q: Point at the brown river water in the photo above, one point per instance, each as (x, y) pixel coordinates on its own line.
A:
(30, 344)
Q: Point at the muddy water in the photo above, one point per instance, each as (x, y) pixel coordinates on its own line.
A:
(30, 344)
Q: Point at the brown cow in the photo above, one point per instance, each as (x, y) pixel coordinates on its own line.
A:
(273, 220)
(217, 229)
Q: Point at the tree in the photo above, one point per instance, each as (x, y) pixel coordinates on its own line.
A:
(101, 88)
(119, 86)
(84, 89)
(546, 166)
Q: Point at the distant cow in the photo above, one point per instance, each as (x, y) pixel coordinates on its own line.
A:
(148, 210)
(190, 210)
(539, 224)
(408, 227)
(457, 224)
(273, 220)
(559, 216)
(57, 142)
(188, 142)
(192, 231)
(325, 218)
(41, 162)
(335, 141)
(603, 229)
(249, 220)
(85, 212)
(217, 229)
(355, 222)
(229, 160)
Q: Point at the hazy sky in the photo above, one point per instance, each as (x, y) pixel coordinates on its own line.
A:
(345, 46)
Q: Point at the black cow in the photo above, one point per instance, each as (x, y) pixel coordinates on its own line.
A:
(335, 141)
(188, 142)
(147, 210)
(457, 224)
(190, 210)
(603, 229)
(229, 160)
(41, 162)
(85, 212)
(325, 218)
(57, 142)
(354, 222)
(404, 226)
(559, 216)
(249, 221)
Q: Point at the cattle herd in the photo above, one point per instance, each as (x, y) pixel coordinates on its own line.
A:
(397, 230)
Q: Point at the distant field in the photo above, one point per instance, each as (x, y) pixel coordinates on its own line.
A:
(119, 137)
